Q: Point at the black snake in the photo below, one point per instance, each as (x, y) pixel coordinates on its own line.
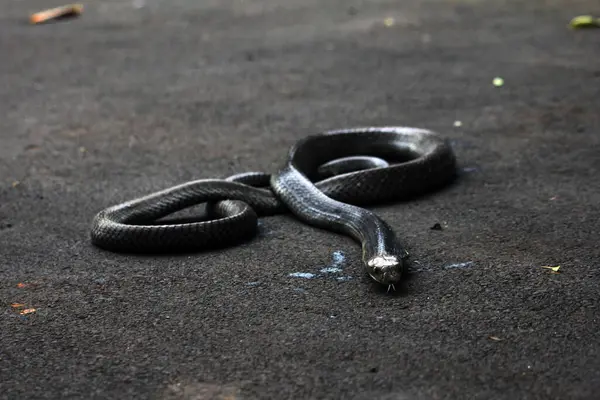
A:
(326, 180)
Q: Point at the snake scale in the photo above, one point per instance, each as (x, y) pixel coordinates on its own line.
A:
(325, 182)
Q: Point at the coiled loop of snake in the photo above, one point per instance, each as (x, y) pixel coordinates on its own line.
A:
(325, 182)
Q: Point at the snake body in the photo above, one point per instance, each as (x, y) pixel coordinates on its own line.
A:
(325, 182)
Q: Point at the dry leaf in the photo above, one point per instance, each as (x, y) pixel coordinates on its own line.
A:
(554, 269)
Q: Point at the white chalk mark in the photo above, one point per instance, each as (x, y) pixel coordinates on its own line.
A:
(331, 270)
(305, 275)
(336, 264)
(338, 258)
(459, 265)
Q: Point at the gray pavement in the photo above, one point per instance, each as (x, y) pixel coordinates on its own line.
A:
(137, 96)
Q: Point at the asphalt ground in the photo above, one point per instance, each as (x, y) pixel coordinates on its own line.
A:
(131, 98)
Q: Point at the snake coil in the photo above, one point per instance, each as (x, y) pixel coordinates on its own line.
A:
(325, 182)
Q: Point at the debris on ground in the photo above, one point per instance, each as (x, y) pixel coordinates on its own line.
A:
(498, 81)
(457, 124)
(23, 285)
(436, 227)
(389, 22)
(21, 308)
(71, 10)
(555, 270)
(585, 21)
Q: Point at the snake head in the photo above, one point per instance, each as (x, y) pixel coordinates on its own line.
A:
(386, 269)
